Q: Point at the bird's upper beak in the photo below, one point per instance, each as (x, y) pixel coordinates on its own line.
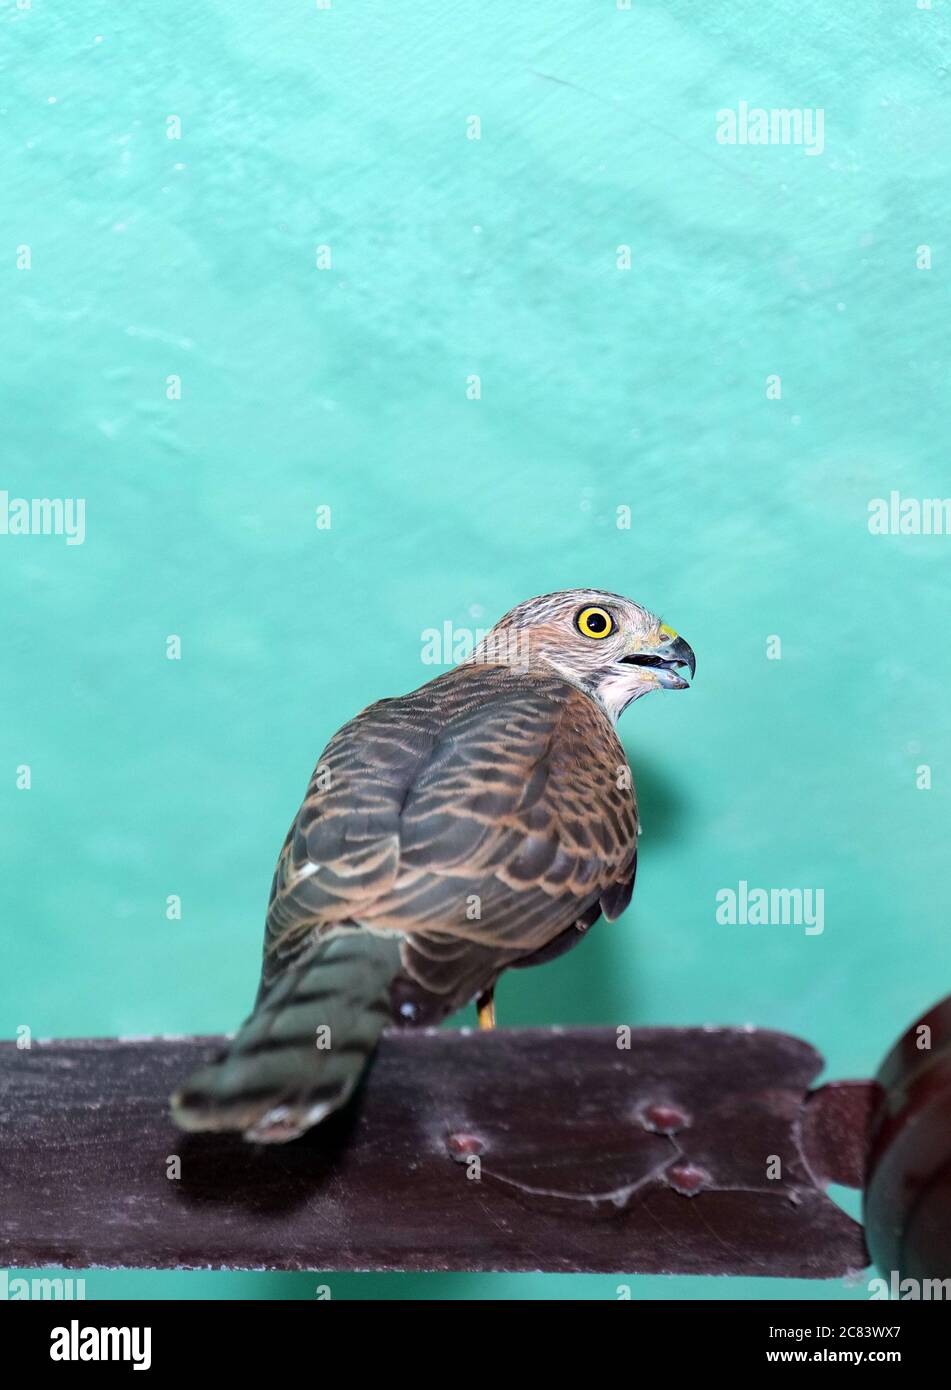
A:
(663, 658)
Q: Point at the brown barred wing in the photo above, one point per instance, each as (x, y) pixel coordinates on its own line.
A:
(343, 850)
(521, 825)
(489, 807)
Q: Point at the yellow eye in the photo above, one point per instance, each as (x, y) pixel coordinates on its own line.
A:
(595, 622)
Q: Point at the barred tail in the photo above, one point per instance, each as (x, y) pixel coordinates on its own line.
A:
(302, 1051)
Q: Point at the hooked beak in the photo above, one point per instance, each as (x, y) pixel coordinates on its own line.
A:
(664, 660)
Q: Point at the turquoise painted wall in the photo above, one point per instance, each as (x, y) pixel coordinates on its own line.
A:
(195, 258)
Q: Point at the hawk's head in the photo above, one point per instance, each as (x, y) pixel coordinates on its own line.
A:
(612, 648)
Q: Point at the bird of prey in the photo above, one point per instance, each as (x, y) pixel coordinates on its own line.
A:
(485, 820)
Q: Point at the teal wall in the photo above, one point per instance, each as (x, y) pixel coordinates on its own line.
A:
(346, 387)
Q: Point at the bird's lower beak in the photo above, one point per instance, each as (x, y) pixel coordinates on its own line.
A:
(664, 660)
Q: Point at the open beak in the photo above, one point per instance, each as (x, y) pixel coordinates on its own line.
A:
(664, 660)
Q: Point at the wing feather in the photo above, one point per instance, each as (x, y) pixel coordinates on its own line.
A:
(482, 816)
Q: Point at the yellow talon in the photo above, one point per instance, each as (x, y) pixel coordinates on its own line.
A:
(486, 1008)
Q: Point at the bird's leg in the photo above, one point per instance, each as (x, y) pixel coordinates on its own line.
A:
(486, 1007)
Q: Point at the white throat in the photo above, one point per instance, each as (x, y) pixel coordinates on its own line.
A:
(613, 692)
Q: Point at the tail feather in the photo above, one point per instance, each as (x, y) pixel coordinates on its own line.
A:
(303, 1049)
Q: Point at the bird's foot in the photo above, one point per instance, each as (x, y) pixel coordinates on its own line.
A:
(485, 1004)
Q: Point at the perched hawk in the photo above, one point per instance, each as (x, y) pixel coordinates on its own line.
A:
(482, 821)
